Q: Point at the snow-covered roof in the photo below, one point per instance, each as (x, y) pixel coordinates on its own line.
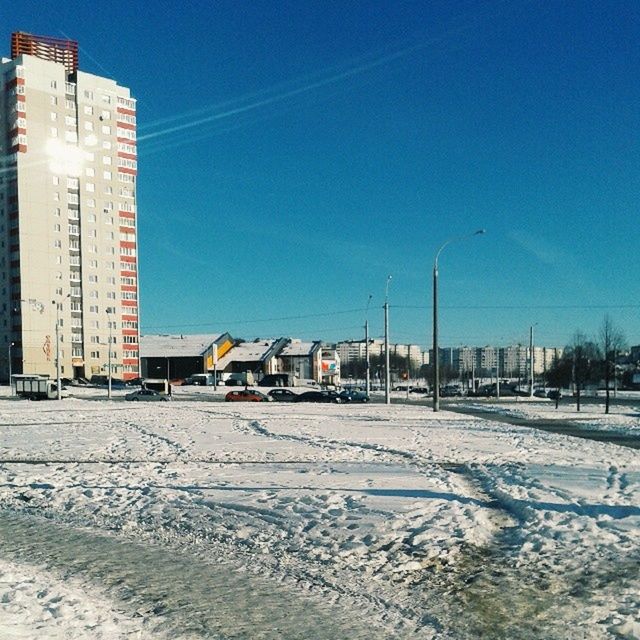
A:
(176, 346)
(298, 348)
(246, 352)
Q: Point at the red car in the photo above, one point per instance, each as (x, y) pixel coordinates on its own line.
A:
(247, 395)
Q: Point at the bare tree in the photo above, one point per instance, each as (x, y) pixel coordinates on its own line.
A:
(584, 355)
(612, 341)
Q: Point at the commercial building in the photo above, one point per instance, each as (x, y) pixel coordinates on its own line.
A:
(180, 356)
(68, 251)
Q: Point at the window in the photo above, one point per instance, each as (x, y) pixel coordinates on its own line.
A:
(57, 244)
(93, 264)
(90, 202)
(106, 129)
(90, 172)
(88, 125)
(56, 228)
(70, 104)
(91, 217)
(93, 294)
(72, 183)
(54, 84)
(55, 180)
(107, 175)
(73, 214)
(89, 95)
(88, 109)
(56, 196)
(71, 136)
(53, 100)
(89, 186)
(93, 233)
(93, 309)
(106, 98)
(56, 212)
(106, 144)
(54, 116)
(95, 355)
(105, 114)
(53, 132)
(111, 295)
(106, 159)
(73, 198)
(108, 190)
(70, 121)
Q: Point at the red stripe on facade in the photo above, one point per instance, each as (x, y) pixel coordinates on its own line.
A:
(126, 244)
(128, 156)
(129, 112)
(129, 287)
(129, 303)
(126, 125)
(131, 172)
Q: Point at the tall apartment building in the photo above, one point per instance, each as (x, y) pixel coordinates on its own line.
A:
(68, 241)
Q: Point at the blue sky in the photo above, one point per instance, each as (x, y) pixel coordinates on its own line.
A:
(293, 154)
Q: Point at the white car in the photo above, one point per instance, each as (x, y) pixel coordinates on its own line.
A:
(147, 395)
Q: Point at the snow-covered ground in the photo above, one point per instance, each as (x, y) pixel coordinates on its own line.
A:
(622, 418)
(205, 519)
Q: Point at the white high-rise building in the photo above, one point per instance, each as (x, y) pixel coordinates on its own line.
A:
(68, 253)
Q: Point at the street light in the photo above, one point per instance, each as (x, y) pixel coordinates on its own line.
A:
(436, 359)
(387, 394)
(531, 359)
(109, 357)
(58, 381)
(10, 386)
(366, 346)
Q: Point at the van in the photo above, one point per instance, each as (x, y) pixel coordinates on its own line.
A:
(202, 379)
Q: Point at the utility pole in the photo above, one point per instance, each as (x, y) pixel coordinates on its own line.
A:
(497, 373)
(531, 361)
(58, 381)
(366, 348)
(10, 385)
(109, 356)
(387, 389)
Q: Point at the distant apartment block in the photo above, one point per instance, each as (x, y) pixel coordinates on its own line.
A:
(513, 359)
(355, 350)
(68, 217)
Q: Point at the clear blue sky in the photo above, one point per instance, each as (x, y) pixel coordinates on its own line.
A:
(292, 154)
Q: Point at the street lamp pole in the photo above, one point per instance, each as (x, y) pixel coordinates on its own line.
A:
(366, 347)
(109, 356)
(58, 367)
(10, 385)
(436, 359)
(387, 388)
(531, 358)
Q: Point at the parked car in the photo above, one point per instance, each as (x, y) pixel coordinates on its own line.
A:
(352, 395)
(422, 390)
(247, 395)
(283, 395)
(320, 396)
(148, 395)
(540, 393)
(450, 391)
(554, 394)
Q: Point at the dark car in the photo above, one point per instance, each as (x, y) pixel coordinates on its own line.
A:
(283, 395)
(554, 394)
(247, 395)
(320, 396)
(352, 395)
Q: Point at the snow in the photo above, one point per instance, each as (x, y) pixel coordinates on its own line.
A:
(425, 525)
(622, 418)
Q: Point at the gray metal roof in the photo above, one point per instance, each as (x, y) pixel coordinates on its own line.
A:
(176, 346)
